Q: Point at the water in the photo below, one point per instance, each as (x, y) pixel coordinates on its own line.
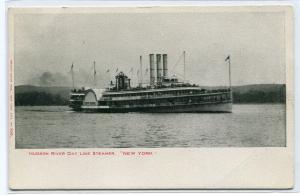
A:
(58, 127)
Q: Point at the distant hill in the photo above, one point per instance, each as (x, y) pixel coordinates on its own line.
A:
(266, 93)
(37, 95)
(259, 87)
(62, 91)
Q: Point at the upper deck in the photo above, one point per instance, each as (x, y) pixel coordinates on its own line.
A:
(159, 93)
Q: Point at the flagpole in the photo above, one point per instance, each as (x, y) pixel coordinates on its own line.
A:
(183, 66)
(94, 73)
(230, 86)
(141, 72)
(109, 74)
(72, 76)
(229, 72)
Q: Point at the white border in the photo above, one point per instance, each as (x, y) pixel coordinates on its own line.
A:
(3, 100)
(125, 3)
(3, 65)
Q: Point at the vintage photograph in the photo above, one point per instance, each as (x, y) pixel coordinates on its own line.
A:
(144, 79)
(151, 97)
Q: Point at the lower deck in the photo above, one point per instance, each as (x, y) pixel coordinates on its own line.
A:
(224, 107)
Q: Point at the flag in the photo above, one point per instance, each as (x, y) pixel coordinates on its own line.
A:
(94, 67)
(228, 58)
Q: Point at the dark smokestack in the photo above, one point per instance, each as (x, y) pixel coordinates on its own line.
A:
(152, 69)
(159, 68)
(165, 65)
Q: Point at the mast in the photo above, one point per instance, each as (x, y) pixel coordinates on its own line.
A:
(183, 66)
(94, 73)
(141, 71)
(72, 73)
(229, 72)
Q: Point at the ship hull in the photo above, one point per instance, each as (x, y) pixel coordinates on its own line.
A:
(221, 107)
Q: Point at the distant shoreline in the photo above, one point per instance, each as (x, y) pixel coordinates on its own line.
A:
(232, 104)
(27, 95)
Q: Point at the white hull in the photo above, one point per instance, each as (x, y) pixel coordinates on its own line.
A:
(204, 107)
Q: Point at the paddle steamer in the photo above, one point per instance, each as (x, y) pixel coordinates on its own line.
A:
(164, 94)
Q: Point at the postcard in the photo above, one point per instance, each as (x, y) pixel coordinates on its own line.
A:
(159, 97)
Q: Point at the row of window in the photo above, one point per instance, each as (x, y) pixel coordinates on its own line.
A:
(169, 101)
(159, 93)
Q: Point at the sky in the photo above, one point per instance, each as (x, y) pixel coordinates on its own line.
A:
(48, 44)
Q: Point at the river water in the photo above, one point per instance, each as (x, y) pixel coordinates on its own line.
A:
(250, 125)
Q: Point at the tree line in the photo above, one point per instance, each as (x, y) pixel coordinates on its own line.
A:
(253, 96)
(35, 98)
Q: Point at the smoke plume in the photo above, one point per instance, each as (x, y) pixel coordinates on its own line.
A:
(49, 79)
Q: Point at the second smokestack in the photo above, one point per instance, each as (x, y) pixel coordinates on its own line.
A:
(159, 68)
(165, 65)
(152, 69)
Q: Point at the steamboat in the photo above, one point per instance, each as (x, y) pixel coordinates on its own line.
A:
(164, 94)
